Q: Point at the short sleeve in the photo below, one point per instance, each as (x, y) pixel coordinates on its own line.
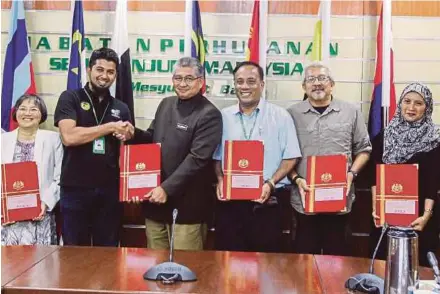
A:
(66, 107)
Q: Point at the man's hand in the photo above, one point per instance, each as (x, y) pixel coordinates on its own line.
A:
(375, 216)
(350, 178)
(302, 187)
(123, 130)
(265, 194)
(419, 223)
(157, 195)
(137, 200)
(219, 190)
(42, 213)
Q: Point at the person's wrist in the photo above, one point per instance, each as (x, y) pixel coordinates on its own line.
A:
(355, 174)
(271, 184)
(295, 179)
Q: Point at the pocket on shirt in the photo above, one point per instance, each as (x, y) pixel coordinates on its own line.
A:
(339, 134)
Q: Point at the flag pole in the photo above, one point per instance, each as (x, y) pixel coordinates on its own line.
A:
(326, 10)
(188, 27)
(386, 54)
(264, 7)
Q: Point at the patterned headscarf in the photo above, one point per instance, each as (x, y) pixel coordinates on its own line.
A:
(403, 139)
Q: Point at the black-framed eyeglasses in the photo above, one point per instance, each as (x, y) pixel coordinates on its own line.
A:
(189, 80)
(320, 78)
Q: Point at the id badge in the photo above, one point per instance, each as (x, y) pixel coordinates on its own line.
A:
(99, 146)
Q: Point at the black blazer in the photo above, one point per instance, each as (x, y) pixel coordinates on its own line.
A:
(189, 132)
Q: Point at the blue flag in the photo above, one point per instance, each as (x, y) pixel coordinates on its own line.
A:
(197, 42)
(18, 73)
(76, 75)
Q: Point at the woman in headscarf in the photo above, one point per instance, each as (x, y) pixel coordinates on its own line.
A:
(411, 138)
(29, 143)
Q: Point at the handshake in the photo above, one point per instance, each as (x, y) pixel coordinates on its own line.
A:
(122, 130)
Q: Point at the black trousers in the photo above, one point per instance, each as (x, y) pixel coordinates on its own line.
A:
(322, 234)
(249, 226)
(90, 216)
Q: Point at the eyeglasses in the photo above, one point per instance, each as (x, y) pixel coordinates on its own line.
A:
(189, 80)
(32, 110)
(320, 78)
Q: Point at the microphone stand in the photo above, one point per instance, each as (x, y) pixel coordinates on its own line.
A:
(170, 272)
(368, 282)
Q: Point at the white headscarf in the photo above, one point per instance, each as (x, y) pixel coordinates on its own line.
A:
(403, 139)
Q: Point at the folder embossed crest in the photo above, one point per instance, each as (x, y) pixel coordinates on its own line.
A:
(243, 170)
(327, 179)
(20, 196)
(139, 170)
(397, 194)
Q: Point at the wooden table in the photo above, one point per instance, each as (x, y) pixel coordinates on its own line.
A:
(19, 259)
(120, 270)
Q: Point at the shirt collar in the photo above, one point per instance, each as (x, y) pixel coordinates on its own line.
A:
(261, 105)
(305, 106)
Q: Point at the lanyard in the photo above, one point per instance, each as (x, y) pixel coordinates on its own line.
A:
(93, 108)
(253, 126)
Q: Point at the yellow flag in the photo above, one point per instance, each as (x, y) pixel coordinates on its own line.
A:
(317, 39)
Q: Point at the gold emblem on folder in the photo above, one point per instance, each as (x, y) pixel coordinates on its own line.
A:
(397, 188)
(326, 177)
(243, 163)
(18, 185)
(140, 166)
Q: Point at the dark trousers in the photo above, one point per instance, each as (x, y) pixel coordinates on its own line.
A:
(248, 226)
(91, 216)
(322, 234)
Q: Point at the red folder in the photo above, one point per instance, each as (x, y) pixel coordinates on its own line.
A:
(327, 179)
(397, 194)
(20, 196)
(243, 170)
(139, 170)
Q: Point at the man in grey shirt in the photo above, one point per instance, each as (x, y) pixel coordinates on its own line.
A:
(325, 126)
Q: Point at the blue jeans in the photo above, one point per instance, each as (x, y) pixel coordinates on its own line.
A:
(91, 216)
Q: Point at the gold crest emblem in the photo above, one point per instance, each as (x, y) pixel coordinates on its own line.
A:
(397, 188)
(243, 163)
(18, 185)
(85, 106)
(327, 177)
(140, 166)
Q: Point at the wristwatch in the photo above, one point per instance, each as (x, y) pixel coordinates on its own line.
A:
(355, 174)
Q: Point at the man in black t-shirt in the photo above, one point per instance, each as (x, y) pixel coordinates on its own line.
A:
(87, 119)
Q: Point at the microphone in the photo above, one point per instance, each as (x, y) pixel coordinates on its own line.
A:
(368, 282)
(175, 212)
(170, 272)
(434, 265)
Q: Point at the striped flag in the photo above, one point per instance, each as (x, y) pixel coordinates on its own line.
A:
(321, 36)
(197, 42)
(123, 89)
(376, 117)
(253, 50)
(18, 74)
(76, 77)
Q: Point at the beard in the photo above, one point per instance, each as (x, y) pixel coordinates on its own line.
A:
(98, 90)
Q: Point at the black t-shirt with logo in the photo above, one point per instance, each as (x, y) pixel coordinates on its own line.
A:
(81, 167)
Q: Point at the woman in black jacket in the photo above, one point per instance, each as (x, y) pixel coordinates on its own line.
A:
(411, 138)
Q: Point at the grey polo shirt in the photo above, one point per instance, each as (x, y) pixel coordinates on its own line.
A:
(341, 129)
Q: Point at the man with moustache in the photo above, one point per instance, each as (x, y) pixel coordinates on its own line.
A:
(189, 128)
(325, 126)
(87, 119)
(255, 225)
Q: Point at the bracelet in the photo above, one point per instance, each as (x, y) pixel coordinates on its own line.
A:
(271, 185)
(296, 178)
(429, 210)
